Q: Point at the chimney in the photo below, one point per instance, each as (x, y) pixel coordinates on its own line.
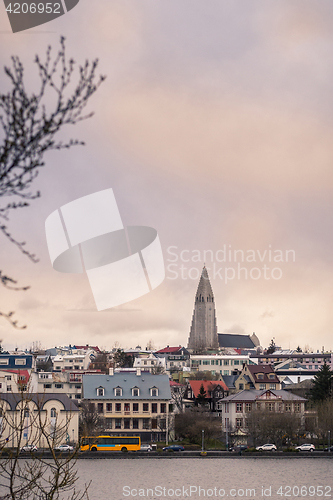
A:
(111, 371)
(138, 371)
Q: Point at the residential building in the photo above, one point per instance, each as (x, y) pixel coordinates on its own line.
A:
(257, 377)
(309, 360)
(131, 403)
(176, 358)
(213, 390)
(150, 363)
(236, 407)
(223, 364)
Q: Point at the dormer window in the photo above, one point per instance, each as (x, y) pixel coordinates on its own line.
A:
(135, 391)
(271, 376)
(118, 391)
(154, 391)
(100, 391)
(260, 376)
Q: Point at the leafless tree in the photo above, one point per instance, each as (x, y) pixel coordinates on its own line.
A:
(30, 125)
(50, 474)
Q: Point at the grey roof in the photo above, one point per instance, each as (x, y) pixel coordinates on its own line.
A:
(235, 340)
(40, 399)
(253, 395)
(229, 380)
(126, 381)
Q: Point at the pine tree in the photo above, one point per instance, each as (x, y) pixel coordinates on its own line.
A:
(201, 397)
(322, 384)
(272, 347)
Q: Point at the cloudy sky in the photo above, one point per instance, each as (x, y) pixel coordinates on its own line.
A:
(214, 126)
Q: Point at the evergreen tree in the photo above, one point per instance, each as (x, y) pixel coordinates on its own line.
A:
(272, 347)
(201, 397)
(322, 384)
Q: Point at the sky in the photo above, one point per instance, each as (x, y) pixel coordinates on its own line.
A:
(213, 126)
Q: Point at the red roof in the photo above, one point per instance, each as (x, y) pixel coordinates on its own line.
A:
(169, 350)
(175, 384)
(208, 385)
(22, 373)
(86, 347)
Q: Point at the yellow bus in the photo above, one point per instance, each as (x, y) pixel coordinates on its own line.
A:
(111, 443)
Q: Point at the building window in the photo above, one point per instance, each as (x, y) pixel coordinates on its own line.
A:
(248, 407)
(9, 387)
(239, 407)
(226, 407)
(163, 407)
(20, 362)
(108, 423)
(26, 412)
(271, 376)
(154, 407)
(241, 387)
(100, 391)
(270, 406)
(258, 405)
(145, 423)
(225, 372)
(4, 361)
(108, 407)
(126, 423)
(260, 376)
(118, 391)
(272, 386)
(226, 423)
(77, 386)
(47, 386)
(118, 406)
(58, 386)
(127, 407)
(226, 362)
(239, 422)
(154, 392)
(145, 406)
(118, 423)
(297, 407)
(135, 423)
(288, 407)
(154, 423)
(262, 387)
(236, 361)
(53, 413)
(100, 407)
(135, 407)
(135, 391)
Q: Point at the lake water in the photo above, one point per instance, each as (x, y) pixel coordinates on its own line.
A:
(202, 478)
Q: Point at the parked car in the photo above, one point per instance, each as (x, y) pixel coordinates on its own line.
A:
(174, 447)
(267, 447)
(28, 448)
(146, 447)
(306, 447)
(329, 449)
(64, 448)
(241, 447)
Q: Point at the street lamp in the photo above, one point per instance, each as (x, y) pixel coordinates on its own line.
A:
(202, 440)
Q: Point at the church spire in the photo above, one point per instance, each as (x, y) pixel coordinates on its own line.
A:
(203, 333)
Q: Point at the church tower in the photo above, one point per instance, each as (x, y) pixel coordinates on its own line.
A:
(203, 333)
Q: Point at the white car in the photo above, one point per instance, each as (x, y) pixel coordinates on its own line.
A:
(306, 447)
(28, 448)
(146, 447)
(64, 447)
(267, 447)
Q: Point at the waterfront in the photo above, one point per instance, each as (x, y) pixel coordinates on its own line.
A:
(199, 478)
